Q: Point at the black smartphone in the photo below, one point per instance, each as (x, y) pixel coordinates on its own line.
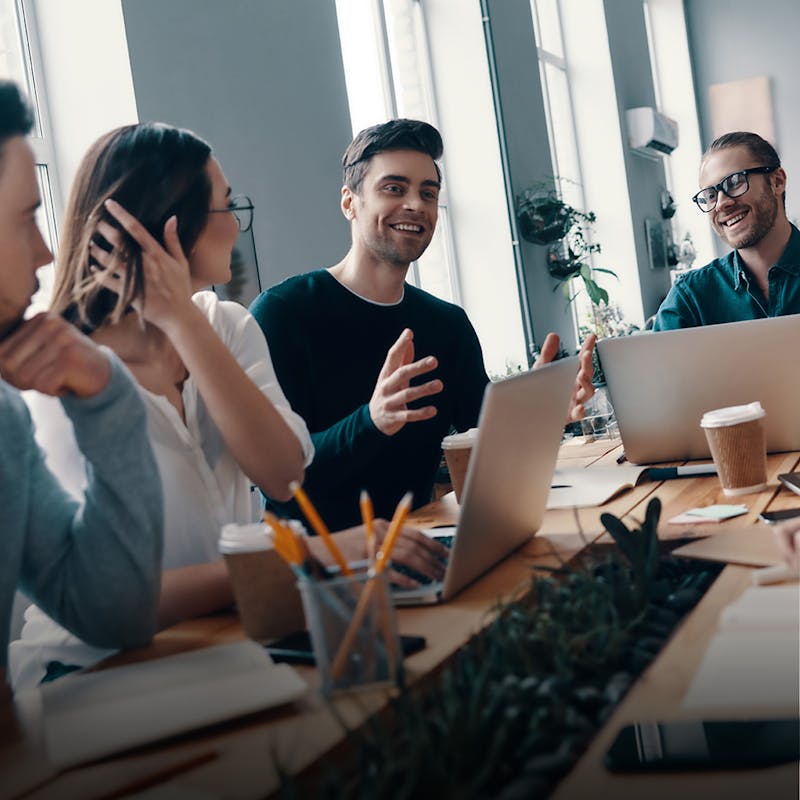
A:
(295, 648)
(773, 517)
(728, 744)
(791, 480)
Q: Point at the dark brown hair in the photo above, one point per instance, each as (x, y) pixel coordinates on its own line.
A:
(396, 134)
(154, 171)
(761, 150)
(16, 118)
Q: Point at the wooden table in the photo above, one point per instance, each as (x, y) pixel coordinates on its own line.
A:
(239, 758)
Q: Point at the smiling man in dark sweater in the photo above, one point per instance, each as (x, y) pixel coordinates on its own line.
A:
(379, 369)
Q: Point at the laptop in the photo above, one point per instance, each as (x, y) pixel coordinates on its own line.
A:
(508, 478)
(661, 384)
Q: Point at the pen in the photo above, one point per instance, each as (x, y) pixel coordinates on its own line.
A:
(670, 473)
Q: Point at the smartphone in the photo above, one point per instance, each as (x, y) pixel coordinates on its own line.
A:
(684, 745)
(295, 648)
(791, 480)
(773, 517)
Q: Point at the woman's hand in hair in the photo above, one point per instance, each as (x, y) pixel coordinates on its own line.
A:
(167, 282)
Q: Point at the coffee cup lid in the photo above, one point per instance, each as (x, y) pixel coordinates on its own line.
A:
(733, 415)
(463, 439)
(235, 538)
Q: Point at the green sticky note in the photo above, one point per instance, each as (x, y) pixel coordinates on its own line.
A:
(718, 511)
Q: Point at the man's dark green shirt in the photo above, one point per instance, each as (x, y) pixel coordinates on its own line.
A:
(328, 346)
(723, 291)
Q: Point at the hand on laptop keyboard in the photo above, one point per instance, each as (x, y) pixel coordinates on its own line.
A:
(422, 580)
(414, 551)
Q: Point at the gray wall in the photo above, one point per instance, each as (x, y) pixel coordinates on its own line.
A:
(529, 163)
(264, 83)
(737, 39)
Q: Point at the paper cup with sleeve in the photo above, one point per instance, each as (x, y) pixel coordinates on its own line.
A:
(737, 438)
(457, 450)
(264, 586)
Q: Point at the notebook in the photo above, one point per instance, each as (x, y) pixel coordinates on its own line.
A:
(91, 715)
(509, 476)
(662, 383)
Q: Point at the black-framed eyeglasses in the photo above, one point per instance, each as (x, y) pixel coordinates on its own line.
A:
(733, 185)
(241, 206)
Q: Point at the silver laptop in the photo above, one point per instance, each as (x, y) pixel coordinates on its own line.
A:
(508, 479)
(661, 384)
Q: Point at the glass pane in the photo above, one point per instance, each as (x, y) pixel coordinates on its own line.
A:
(15, 57)
(548, 29)
(408, 60)
(363, 63)
(432, 267)
(564, 135)
(46, 220)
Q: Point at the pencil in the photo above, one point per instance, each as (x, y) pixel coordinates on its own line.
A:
(319, 526)
(368, 517)
(399, 516)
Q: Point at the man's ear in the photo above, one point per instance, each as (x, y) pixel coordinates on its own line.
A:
(779, 180)
(347, 202)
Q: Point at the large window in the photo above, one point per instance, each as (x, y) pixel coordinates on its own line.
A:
(19, 61)
(388, 74)
(554, 77)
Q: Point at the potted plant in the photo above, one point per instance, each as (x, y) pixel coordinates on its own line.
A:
(545, 219)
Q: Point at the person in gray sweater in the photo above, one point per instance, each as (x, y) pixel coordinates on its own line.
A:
(95, 567)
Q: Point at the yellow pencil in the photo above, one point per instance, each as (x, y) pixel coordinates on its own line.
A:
(368, 518)
(399, 516)
(319, 526)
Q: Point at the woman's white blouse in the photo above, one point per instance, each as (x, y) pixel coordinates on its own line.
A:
(204, 488)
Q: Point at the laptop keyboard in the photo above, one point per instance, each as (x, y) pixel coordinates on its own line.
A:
(423, 580)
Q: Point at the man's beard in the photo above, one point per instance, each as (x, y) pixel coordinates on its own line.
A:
(763, 215)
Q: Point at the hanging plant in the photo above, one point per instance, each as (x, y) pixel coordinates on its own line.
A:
(545, 219)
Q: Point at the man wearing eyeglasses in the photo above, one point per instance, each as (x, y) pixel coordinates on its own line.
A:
(744, 196)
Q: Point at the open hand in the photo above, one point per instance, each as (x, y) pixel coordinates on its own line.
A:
(168, 288)
(49, 355)
(388, 405)
(584, 388)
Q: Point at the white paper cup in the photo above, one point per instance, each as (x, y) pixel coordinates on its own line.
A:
(737, 438)
(457, 451)
(264, 586)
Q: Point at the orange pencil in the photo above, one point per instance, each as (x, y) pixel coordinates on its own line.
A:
(399, 516)
(319, 526)
(368, 518)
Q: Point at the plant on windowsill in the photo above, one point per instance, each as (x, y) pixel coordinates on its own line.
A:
(514, 710)
(545, 219)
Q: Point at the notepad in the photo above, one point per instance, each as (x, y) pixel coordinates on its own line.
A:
(91, 715)
(578, 487)
(752, 661)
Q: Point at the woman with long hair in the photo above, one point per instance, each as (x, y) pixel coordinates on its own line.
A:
(150, 222)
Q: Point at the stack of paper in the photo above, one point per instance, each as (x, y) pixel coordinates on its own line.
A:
(753, 659)
(88, 716)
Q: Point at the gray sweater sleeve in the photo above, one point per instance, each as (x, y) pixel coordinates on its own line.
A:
(96, 568)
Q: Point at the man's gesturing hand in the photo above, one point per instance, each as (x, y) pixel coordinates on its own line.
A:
(388, 406)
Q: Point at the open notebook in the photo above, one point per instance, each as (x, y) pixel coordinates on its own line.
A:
(87, 716)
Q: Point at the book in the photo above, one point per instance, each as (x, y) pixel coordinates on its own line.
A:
(95, 714)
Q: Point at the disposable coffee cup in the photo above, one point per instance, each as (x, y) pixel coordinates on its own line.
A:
(737, 438)
(457, 450)
(264, 586)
